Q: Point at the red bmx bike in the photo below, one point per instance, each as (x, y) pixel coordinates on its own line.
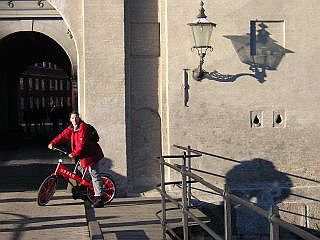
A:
(82, 189)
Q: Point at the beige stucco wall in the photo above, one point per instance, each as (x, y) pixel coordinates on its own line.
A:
(142, 93)
(217, 120)
(131, 87)
(218, 117)
(97, 27)
(72, 14)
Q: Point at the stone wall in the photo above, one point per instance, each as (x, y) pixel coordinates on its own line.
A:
(98, 28)
(142, 84)
(132, 87)
(218, 119)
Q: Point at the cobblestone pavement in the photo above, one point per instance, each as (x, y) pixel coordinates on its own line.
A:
(22, 219)
(130, 218)
(22, 170)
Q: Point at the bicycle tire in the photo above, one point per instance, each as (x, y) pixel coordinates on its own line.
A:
(47, 190)
(109, 190)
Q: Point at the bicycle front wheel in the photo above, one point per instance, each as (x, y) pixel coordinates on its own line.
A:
(46, 190)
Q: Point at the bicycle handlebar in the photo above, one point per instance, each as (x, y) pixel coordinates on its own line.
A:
(59, 150)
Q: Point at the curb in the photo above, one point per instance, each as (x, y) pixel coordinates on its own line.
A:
(93, 226)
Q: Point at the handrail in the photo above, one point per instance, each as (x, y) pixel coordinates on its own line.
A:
(189, 149)
(176, 203)
(185, 169)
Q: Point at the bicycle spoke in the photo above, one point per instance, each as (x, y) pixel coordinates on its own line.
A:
(46, 190)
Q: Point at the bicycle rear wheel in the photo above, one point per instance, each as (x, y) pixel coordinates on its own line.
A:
(109, 190)
(46, 190)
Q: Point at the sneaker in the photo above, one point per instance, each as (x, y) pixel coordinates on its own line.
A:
(79, 192)
(98, 203)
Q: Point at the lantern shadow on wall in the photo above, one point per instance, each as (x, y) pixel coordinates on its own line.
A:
(256, 49)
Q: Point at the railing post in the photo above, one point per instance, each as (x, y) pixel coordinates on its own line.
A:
(227, 214)
(163, 199)
(274, 228)
(188, 178)
(184, 198)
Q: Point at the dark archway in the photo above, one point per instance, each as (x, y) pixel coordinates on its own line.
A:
(18, 51)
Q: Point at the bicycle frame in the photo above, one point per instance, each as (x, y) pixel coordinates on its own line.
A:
(48, 186)
(66, 173)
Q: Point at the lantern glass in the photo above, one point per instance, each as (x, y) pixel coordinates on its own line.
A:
(201, 33)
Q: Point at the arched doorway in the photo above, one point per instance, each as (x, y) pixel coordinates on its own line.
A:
(35, 75)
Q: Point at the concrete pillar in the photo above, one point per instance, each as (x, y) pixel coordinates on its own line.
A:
(104, 81)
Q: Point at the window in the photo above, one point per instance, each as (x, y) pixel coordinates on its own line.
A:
(61, 85)
(21, 103)
(36, 82)
(50, 85)
(37, 102)
(30, 84)
(68, 85)
(43, 102)
(43, 86)
(21, 84)
(31, 102)
(51, 101)
(56, 84)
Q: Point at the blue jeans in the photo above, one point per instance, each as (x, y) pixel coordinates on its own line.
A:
(95, 177)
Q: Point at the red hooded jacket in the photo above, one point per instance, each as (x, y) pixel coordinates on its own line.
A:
(81, 147)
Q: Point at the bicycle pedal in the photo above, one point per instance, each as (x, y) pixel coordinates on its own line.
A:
(74, 197)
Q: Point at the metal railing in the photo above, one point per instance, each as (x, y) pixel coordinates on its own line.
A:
(184, 169)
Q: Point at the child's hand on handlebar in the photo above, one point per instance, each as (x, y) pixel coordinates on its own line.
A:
(50, 146)
(70, 156)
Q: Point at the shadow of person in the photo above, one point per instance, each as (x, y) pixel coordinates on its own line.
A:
(257, 181)
(105, 166)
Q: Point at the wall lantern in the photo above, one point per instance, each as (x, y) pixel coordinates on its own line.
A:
(201, 31)
(257, 49)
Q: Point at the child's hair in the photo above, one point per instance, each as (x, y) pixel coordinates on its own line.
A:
(74, 112)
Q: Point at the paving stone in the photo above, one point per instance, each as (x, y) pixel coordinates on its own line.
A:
(21, 217)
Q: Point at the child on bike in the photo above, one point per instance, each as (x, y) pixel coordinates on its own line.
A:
(82, 147)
